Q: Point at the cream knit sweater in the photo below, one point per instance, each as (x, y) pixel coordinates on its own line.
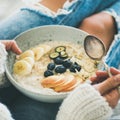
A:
(4, 112)
(3, 55)
(84, 103)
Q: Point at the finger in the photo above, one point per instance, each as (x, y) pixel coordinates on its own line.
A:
(108, 84)
(99, 77)
(15, 48)
(11, 45)
(102, 75)
(112, 97)
(114, 71)
(96, 80)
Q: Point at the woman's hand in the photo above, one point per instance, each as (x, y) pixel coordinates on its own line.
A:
(109, 87)
(11, 45)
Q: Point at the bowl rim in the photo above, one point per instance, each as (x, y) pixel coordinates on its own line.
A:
(46, 26)
(17, 85)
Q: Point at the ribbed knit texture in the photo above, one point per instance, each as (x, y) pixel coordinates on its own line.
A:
(3, 57)
(84, 103)
(4, 113)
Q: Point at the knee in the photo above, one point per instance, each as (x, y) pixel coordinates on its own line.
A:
(101, 25)
(92, 25)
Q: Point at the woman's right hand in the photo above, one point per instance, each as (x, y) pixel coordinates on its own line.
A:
(11, 45)
(109, 87)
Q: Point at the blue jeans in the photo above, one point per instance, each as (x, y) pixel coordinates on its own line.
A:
(28, 18)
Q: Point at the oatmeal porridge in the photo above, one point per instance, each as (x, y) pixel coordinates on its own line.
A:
(53, 67)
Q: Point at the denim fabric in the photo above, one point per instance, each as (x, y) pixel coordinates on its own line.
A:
(22, 21)
(114, 10)
(24, 108)
(113, 55)
(28, 18)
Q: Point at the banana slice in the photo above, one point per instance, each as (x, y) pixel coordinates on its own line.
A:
(28, 53)
(46, 48)
(38, 52)
(22, 67)
(30, 60)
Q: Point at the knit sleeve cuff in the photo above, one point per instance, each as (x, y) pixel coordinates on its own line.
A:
(84, 103)
(3, 57)
(5, 113)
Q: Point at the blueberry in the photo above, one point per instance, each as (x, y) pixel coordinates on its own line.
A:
(67, 63)
(75, 67)
(58, 60)
(51, 66)
(60, 69)
(72, 68)
(78, 67)
(75, 63)
(48, 73)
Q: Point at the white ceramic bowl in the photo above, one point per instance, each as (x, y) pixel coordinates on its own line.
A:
(38, 35)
